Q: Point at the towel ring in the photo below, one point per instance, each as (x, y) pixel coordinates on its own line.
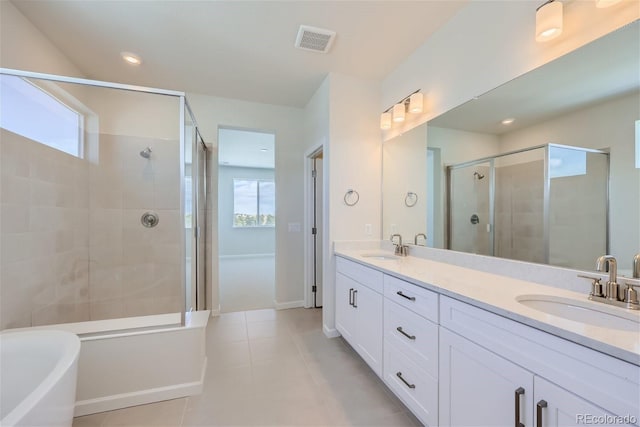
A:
(410, 199)
(347, 197)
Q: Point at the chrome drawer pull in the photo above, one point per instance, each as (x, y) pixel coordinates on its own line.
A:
(355, 300)
(411, 337)
(399, 375)
(404, 296)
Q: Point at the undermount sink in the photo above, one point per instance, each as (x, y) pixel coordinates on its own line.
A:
(381, 256)
(592, 313)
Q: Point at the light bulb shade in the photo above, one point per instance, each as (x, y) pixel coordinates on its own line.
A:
(415, 103)
(385, 120)
(606, 3)
(398, 112)
(549, 21)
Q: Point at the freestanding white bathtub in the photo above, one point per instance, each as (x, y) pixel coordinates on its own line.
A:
(38, 371)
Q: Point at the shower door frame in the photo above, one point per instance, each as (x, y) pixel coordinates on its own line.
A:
(449, 201)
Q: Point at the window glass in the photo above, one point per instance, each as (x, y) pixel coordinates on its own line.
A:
(27, 110)
(253, 203)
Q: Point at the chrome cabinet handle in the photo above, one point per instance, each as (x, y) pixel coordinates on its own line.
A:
(404, 296)
(541, 404)
(411, 337)
(399, 375)
(355, 301)
(351, 296)
(519, 392)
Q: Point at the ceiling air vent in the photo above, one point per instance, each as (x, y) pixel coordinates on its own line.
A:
(314, 39)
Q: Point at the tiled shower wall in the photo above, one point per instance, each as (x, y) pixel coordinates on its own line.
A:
(44, 235)
(72, 245)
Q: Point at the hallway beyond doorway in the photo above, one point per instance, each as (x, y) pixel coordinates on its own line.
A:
(246, 283)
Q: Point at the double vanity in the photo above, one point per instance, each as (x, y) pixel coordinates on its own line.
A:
(463, 347)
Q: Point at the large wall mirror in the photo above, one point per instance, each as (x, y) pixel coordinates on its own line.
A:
(545, 168)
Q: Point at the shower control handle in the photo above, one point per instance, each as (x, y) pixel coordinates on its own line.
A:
(149, 219)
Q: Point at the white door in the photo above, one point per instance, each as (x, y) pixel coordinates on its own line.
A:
(557, 407)
(345, 312)
(369, 327)
(479, 388)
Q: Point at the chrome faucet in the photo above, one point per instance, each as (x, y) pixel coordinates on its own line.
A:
(401, 250)
(636, 266)
(415, 238)
(608, 263)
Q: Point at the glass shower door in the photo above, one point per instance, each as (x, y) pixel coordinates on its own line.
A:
(471, 208)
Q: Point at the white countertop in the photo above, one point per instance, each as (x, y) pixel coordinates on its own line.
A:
(498, 294)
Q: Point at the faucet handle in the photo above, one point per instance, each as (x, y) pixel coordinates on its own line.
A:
(596, 285)
(630, 295)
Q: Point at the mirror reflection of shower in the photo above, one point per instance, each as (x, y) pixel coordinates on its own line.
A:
(146, 153)
(476, 175)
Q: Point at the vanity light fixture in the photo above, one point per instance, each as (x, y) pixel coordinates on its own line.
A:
(412, 103)
(606, 3)
(548, 21)
(131, 58)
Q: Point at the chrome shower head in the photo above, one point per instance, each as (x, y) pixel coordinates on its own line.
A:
(478, 175)
(146, 153)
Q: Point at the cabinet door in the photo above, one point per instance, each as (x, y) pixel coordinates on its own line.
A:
(345, 312)
(559, 407)
(369, 327)
(479, 388)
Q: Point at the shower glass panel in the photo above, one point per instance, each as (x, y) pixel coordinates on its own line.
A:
(578, 191)
(519, 190)
(91, 221)
(470, 204)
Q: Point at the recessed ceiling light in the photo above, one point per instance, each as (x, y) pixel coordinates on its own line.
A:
(508, 121)
(264, 150)
(131, 58)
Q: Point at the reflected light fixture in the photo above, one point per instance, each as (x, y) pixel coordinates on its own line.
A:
(548, 21)
(131, 58)
(412, 103)
(606, 3)
(508, 121)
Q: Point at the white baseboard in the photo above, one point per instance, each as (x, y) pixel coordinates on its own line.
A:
(216, 312)
(247, 256)
(288, 304)
(330, 332)
(141, 397)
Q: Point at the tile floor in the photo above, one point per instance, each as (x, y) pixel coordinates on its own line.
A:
(273, 368)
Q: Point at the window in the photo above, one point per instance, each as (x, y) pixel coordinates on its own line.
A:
(254, 203)
(32, 113)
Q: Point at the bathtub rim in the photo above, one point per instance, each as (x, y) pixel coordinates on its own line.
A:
(67, 359)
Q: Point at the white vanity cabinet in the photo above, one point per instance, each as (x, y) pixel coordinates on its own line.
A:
(494, 371)
(411, 347)
(359, 310)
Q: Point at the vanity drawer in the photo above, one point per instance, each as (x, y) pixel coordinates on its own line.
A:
(417, 337)
(415, 387)
(413, 297)
(364, 275)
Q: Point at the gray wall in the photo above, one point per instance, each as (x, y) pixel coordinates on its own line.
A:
(241, 241)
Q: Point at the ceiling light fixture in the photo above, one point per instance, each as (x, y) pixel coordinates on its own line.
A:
(508, 121)
(131, 58)
(548, 21)
(264, 150)
(412, 103)
(606, 3)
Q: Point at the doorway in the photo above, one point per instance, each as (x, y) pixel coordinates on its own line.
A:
(315, 230)
(246, 219)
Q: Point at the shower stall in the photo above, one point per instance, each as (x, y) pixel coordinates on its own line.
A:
(544, 204)
(103, 231)
(102, 202)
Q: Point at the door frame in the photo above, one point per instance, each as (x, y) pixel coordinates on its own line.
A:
(308, 220)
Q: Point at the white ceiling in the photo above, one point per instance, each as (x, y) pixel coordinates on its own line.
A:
(236, 49)
(246, 148)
